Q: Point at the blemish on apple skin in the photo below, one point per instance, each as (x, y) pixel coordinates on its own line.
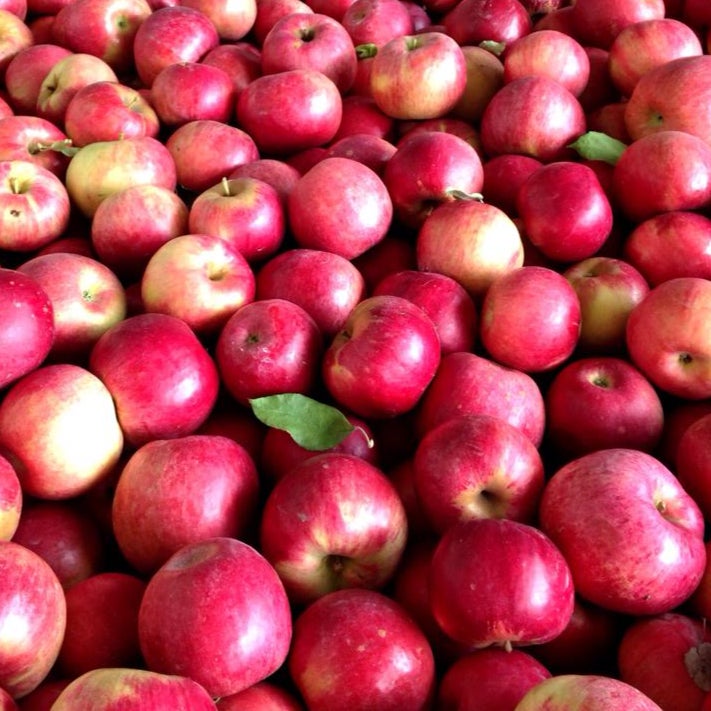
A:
(382, 633)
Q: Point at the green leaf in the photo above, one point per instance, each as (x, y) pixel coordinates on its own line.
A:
(313, 425)
(595, 145)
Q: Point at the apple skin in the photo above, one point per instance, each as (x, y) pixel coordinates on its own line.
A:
(530, 319)
(23, 137)
(170, 35)
(311, 120)
(474, 680)
(133, 689)
(16, 36)
(469, 383)
(11, 500)
(233, 19)
(306, 534)
(675, 352)
(151, 516)
(267, 347)
(670, 245)
(156, 396)
(535, 116)
(278, 173)
(485, 76)
(418, 76)
(335, 285)
(377, 21)
(503, 176)
(608, 289)
(693, 454)
(451, 308)
(27, 330)
(678, 417)
(479, 595)
(87, 299)
(215, 594)
(477, 466)
(45, 418)
(65, 536)
(593, 692)
(382, 362)
(601, 403)
(360, 634)
(200, 278)
(647, 555)
(475, 21)
(42, 698)
(660, 172)
(675, 677)
(269, 11)
(33, 617)
(240, 59)
(262, 696)
(102, 624)
(366, 148)
(560, 190)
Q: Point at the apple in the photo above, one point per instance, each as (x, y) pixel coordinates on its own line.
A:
(241, 59)
(418, 76)
(678, 417)
(530, 319)
(236, 423)
(451, 308)
(106, 111)
(43, 696)
(133, 689)
(674, 353)
(560, 190)
(593, 692)
(216, 612)
(499, 582)
(469, 383)
(87, 298)
(11, 500)
(32, 619)
(228, 147)
(393, 253)
(377, 21)
(645, 554)
(45, 418)
(129, 225)
(692, 456)
(366, 148)
(65, 78)
(602, 402)
(262, 696)
(324, 212)
(336, 286)
(27, 329)
(311, 119)
(382, 361)
(700, 602)
(430, 168)
(267, 347)
(608, 289)
(32, 138)
(475, 679)
(477, 466)
(16, 36)
(171, 35)
(161, 377)
(670, 245)
(233, 19)
(102, 624)
(26, 71)
(306, 528)
(475, 21)
(310, 40)
(282, 176)
(600, 89)
(485, 76)
(35, 206)
(189, 91)
(365, 635)
(199, 278)
(103, 28)
(269, 11)
(212, 472)
(503, 177)
(535, 116)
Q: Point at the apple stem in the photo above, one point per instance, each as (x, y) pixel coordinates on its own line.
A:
(366, 50)
(368, 439)
(457, 194)
(226, 187)
(64, 146)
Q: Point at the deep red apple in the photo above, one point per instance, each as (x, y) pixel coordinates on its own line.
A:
(471, 22)
(693, 454)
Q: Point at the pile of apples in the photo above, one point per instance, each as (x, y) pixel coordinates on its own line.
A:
(355, 354)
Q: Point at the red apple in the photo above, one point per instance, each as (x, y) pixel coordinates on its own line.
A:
(34, 139)
(530, 319)
(418, 76)
(471, 22)
(600, 89)
(692, 456)
(366, 148)
(16, 36)
(26, 329)
(32, 619)
(43, 696)
(267, 347)
(162, 379)
(679, 416)
(11, 500)
(269, 11)
(503, 177)
(133, 689)
(365, 635)
(667, 338)
(262, 696)
(241, 59)
(335, 285)
(281, 175)
(380, 365)
(233, 19)
(498, 581)
(238, 424)
(601, 403)
(324, 212)
(377, 21)
(632, 536)
(216, 612)
(87, 299)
